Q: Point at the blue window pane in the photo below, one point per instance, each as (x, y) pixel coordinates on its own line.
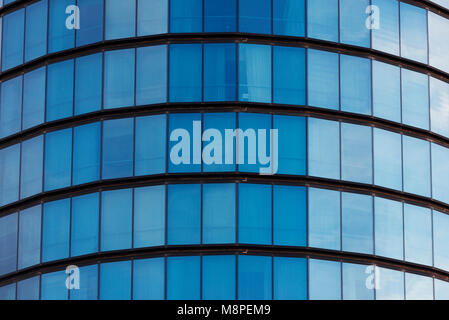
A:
(355, 282)
(324, 219)
(255, 16)
(116, 219)
(290, 278)
(85, 224)
(33, 98)
(58, 159)
(439, 106)
(10, 107)
(184, 146)
(289, 216)
(120, 19)
(119, 78)
(386, 91)
(186, 16)
(388, 228)
(56, 230)
(151, 79)
(185, 78)
(289, 17)
(416, 161)
(183, 278)
(322, 22)
(440, 240)
(149, 216)
(441, 290)
(438, 44)
(219, 277)
(36, 30)
(220, 72)
(418, 234)
(387, 159)
(255, 214)
(8, 292)
(355, 77)
(220, 16)
(59, 36)
(86, 153)
(28, 289)
(115, 281)
(386, 37)
(323, 83)
(356, 153)
(88, 83)
(413, 32)
(152, 17)
(8, 243)
(9, 174)
(324, 148)
(324, 280)
(254, 278)
(357, 223)
(151, 139)
(91, 22)
(60, 90)
(415, 99)
(219, 213)
(440, 173)
(215, 157)
(148, 279)
(184, 214)
(88, 289)
(53, 286)
(13, 32)
(292, 145)
(353, 28)
(289, 75)
(255, 73)
(418, 287)
(118, 148)
(29, 237)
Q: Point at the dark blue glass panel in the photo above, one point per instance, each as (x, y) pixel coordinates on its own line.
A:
(36, 30)
(9, 174)
(290, 278)
(53, 286)
(353, 18)
(115, 281)
(33, 98)
(386, 91)
(415, 99)
(387, 159)
(28, 289)
(120, 19)
(289, 17)
(13, 33)
(183, 278)
(116, 219)
(220, 72)
(185, 78)
(91, 22)
(220, 16)
(60, 90)
(413, 32)
(184, 214)
(8, 292)
(152, 17)
(85, 224)
(148, 279)
(186, 16)
(56, 230)
(86, 153)
(88, 289)
(118, 148)
(440, 240)
(88, 83)
(255, 214)
(58, 159)
(59, 36)
(8, 243)
(289, 75)
(416, 165)
(386, 37)
(219, 277)
(439, 102)
(322, 19)
(29, 237)
(149, 216)
(355, 282)
(10, 107)
(324, 280)
(219, 213)
(388, 228)
(254, 278)
(255, 16)
(418, 287)
(418, 234)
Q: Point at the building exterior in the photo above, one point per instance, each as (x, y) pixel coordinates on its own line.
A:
(120, 177)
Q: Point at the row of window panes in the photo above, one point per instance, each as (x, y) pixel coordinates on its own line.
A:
(189, 214)
(220, 277)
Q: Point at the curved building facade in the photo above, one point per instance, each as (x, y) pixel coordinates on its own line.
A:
(238, 149)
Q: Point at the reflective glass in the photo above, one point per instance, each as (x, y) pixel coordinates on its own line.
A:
(324, 280)
(386, 37)
(33, 98)
(186, 16)
(120, 19)
(86, 153)
(8, 243)
(418, 287)
(9, 174)
(13, 33)
(88, 289)
(440, 240)
(220, 16)
(389, 231)
(60, 90)
(255, 16)
(59, 36)
(8, 292)
(415, 99)
(289, 17)
(441, 290)
(386, 91)
(355, 282)
(254, 278)
(88, 83)
(416, 166)
(58, 159)
(56, 230)
(28, 289)
(85, 224)
(438, 41)
(91, 21)
(10, 106)
(439, 106)
(289, 278)
(387, 159)
(418, 234)
(413, 32)
(183, 278)
(152, 17)
(148, 279)
(322, 19)
(219, 277)
(53, 286)
(36, 30)
(115, 280)
(29, 237)
(353, 28)
(440, 173)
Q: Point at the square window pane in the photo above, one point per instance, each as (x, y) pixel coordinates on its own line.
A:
(254, 278)
(322, 19)
(186, 16)
(152, 17)
(290, 278)
(324, 280)
(91, 22)
(355, 282)
(289, 17)
(53, 286)
(220, 16)
(120, 19)
(418, 287)
(28, 289)
(183, 278)
(255, 16)
(219, 277)
(353, 28)
(148, 279)
(88, 284)
(115, 280)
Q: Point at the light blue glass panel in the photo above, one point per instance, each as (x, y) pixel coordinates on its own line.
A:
(322, 19)
(441, 290)
(28, 289)
(86, 153)
(91, 21)
(415, 99)
(438, 41)
(10, 106)
(85, 224)
(120, 19)
(416, 166)
(88, 289)
(386, 91)
(255, 73)
(255, 16)
(355, 280)
(8, 292)
(219, 206)
(116, 219)
(9, 174)
(148, 279)
(53, 286)
(184, 214)
(58, 159)
(386, 37)
(115, 281)
(8, 243)
(254, 278)
(387, 159)
(440, 173)
(186, 16)
(152, 17)
(88, 83)
(289, 17)
(413, 32)
(418, 287)
(36, 30)
(324, 219)
(219, 278)
(389, 230)
(418, 234)
(13, 33)
(29, 237)
(60, 90)
(324, 280)
(220, 16)
(183, 278)
(33, 98)
(56, 230)
(59, 36)
(149, 216)
(290, 278)
(353, 18)
(439, 106)
(440, 240)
